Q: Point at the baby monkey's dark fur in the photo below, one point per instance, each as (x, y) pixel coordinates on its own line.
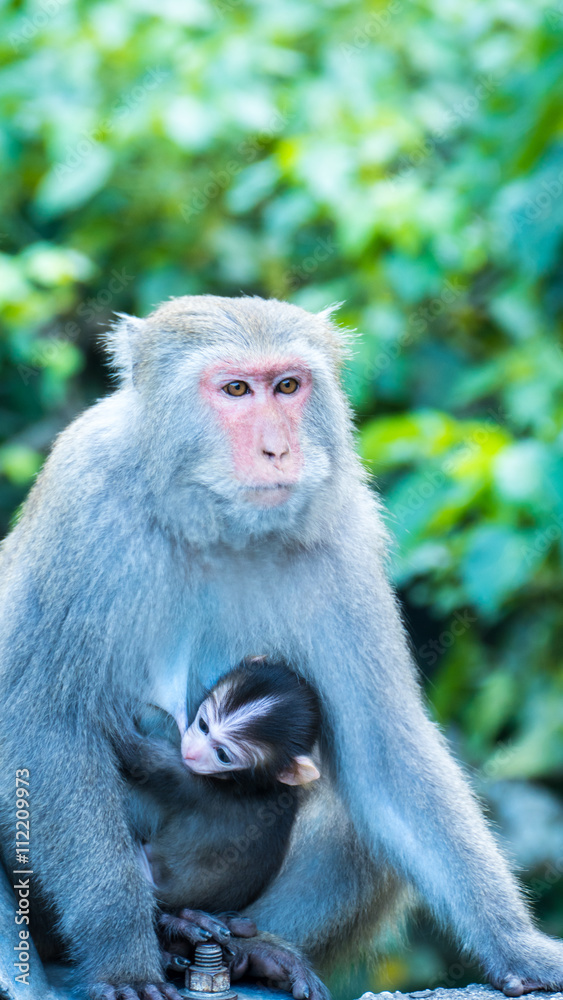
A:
(214, 843)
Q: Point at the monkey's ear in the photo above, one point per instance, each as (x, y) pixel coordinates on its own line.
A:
(328, 311)
(301, 772)
(119, 342)
(339, 340)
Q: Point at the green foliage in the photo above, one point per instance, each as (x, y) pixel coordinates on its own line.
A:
(402, 157)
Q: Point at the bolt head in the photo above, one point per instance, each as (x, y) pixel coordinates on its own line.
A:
(208, 982)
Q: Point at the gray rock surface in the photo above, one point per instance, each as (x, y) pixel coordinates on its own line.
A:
(476, 992)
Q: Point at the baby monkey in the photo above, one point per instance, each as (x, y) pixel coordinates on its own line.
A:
(258, 724)
(213, 809)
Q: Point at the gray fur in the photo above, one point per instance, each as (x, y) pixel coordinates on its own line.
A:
(135, 574)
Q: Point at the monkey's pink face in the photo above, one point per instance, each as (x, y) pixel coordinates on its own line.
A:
(260, 408)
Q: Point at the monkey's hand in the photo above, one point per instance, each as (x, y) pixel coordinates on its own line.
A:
(196, 926)
(270, 958)
(134, 991)
(537, 965)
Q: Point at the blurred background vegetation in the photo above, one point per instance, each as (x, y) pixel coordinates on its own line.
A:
(405, 158)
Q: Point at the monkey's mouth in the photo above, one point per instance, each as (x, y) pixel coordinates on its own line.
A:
(269, 496)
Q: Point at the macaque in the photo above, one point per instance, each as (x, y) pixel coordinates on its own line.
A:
(214, 504)
(209, 807)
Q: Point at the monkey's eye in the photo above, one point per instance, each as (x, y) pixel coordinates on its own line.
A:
(287, 386)
(236, 388)
(203, 725)
(222, 755)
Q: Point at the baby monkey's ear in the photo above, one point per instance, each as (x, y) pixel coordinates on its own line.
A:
(300, 772)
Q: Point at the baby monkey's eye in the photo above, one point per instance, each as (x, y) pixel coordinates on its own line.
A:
(203, 725)
(287, 386)
(236, 388)
(222, 755)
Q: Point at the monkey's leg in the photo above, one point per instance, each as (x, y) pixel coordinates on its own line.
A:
(332, 896)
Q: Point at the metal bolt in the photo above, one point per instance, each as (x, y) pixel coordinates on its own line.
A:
(208, 976)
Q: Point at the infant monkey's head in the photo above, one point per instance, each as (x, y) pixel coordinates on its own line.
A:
(260, 721)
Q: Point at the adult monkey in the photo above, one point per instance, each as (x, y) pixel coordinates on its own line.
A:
(211, 507)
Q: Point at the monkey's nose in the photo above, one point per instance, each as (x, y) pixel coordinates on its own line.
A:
(278, 455)
(190, 753)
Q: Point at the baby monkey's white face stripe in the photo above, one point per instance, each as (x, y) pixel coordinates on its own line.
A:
(228, 722)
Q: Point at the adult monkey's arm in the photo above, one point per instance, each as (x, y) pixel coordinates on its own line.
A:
(71, 638)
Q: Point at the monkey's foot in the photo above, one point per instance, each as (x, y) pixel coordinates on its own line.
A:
(277, 963)
(513, 986)
(196, 926)
(537, 965)
(134, 991)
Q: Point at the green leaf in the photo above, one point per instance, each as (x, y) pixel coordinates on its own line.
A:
(69, 184)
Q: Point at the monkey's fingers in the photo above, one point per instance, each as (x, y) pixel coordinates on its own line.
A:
(171, 928)
(300, 989)
(239, 926)
(158, 991)
(305, 985)
(259, 959)
(239, 964)
(213, 926)
(265, 960)
(194, 926)
(173, 963)
(102, 991)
